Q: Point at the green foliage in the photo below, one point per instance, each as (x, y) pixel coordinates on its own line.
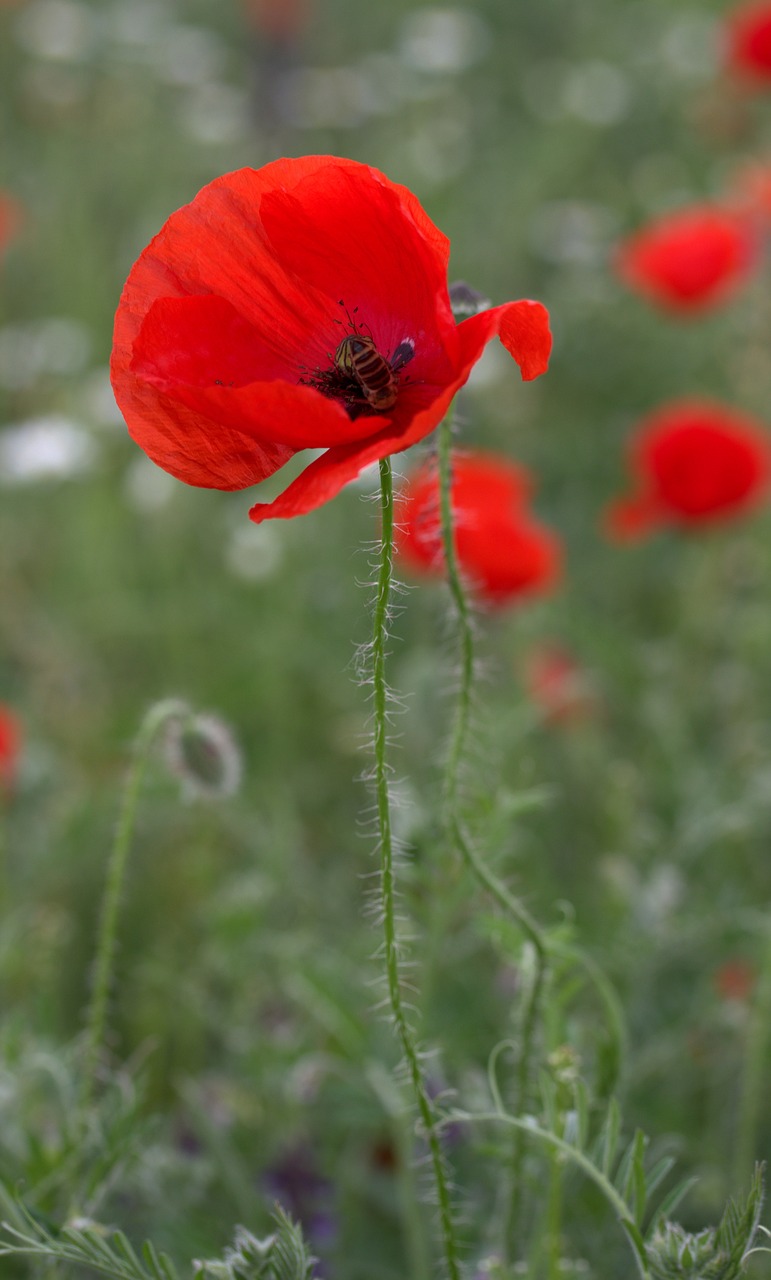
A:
(82, 1244)
(715, 1253)
(281, 1256)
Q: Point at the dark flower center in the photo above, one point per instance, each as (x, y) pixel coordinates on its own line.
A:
(363, 379)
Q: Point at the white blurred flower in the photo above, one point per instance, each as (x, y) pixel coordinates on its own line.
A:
(598, 93)
(135, 22)
(490, 368)
(56, 29)
(329, 97)
(441, 149)
(215, 113)
(146, 486)
(187, 55)
(443, 40)
(46, 448)
(573, 231)
(691, 45)
(386, 81)
(542, 85)
(52, 346)
(99, 399)
(660, 895)
(254, 552)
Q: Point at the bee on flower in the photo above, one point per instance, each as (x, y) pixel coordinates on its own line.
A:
(229, 358)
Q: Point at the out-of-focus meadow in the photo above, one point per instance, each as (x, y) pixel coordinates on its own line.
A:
(639, 809)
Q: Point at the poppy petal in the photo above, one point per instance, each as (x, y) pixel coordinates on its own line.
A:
(523, 328)
(347, 232)
(203, 353)
(320, 481)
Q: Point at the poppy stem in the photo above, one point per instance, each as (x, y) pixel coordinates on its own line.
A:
(104, 964)
(458, 834)
(387, 874)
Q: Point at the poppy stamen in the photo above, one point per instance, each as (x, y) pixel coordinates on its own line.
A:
(359, 374)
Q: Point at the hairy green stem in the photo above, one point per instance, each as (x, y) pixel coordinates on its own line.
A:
(387, 872)
(96, 1017)
(513, 1215)
(530, 1129)
(459, 733)
(489, 881)
(553, 1232)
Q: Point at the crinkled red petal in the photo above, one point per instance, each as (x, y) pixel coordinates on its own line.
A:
(354, 236)
(201, 352)
(523, 328)
(529, 341)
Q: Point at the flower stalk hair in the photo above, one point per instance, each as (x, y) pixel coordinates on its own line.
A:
(454, 825)
(425, 1104)
(299, 306)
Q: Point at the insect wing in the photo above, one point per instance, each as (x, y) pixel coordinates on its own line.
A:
(403, 354)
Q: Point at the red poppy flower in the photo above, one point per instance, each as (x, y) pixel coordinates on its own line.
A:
(279, 19)
(690, 260)
(501, 551)
(243, 329)
(751, 192)
(734, 980)
(747, 41)
(10, 749)
(558, 685)
(695, 463)
(10, 218)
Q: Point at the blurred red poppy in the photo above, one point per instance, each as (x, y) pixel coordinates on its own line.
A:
(751, 192)
(10, 749)
(244, 327)
(558, 685)
(695, 463)
(734, 980)
(747, 43)
(10, 219)
(690, 260)
(279, 19)
(501, 550)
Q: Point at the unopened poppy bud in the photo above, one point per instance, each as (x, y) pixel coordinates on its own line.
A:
(466, 301)
(201, 751)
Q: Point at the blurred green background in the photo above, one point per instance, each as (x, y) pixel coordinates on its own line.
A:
(534, 135)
